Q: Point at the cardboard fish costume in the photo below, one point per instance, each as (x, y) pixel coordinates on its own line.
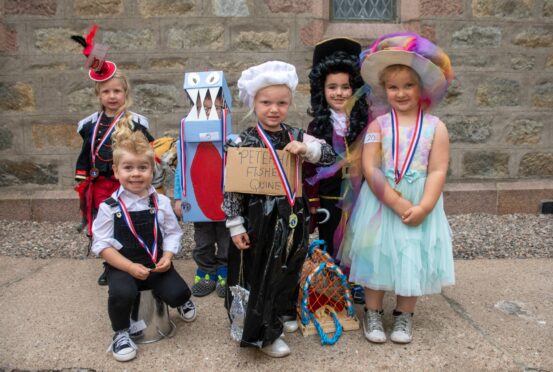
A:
(201, 156)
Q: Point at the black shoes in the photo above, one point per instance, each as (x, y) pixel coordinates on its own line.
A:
(103, 279)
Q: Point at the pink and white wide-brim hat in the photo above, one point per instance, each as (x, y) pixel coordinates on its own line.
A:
(429, 61)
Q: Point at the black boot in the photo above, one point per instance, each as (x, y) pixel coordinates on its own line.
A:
(103, 279)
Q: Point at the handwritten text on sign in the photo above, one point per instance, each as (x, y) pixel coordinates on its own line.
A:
(250, 170)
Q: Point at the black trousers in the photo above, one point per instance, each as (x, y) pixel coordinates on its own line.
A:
(327, 229)
(123, 290)
(207, 256)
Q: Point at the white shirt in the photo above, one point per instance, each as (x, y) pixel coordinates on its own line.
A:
(102, 227)
(339, 122)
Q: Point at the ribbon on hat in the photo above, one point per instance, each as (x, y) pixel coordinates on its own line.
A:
(291, 196)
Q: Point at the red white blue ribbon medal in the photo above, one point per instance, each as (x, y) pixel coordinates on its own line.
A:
(94, 172)
(399, 173)
(224, 122)
(182, 160)
(290, 195)
(153, 250)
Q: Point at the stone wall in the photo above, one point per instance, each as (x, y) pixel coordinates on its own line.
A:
(498, 110)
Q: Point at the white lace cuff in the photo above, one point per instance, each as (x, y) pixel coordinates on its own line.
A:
(313, 153)
(236, 225)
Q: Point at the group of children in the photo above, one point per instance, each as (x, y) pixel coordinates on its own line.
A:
(397, 237)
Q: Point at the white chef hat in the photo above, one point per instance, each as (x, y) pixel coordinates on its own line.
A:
(263, 75)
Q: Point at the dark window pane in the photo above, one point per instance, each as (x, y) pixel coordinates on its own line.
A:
(372, 10)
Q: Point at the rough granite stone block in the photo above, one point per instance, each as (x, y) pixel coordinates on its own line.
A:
(523, 197)
(470, 198)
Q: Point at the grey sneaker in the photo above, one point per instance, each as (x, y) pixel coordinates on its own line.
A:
(203, 285)
(372, 326)
(403, 328)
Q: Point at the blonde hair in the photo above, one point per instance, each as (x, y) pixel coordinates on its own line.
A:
(134, 143)
(394, 69)
(125, 125)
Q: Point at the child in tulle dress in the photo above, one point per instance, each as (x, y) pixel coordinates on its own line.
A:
(399, 238)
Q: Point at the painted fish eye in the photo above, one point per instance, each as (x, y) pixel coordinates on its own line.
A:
(193, 79)
(213, 78)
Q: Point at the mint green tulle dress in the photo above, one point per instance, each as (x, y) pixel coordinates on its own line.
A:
(380, 251)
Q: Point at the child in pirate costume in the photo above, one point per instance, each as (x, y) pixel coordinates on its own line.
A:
(339, 118)
(138, 234)
(93, 169)
(269, 233)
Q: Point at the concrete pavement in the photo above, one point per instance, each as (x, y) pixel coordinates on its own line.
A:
(497, 317)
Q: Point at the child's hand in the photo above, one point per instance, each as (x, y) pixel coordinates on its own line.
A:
(241, 241)
(401, 206)
(414, 216)
(178, 208)
(138, 271)
(162, 265)
(296, 148)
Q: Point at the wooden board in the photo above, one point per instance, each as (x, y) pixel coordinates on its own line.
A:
(327, 324)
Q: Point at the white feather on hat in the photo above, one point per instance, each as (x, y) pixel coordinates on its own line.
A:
(269, 73)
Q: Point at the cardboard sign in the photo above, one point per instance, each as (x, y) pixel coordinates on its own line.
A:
(251, 170)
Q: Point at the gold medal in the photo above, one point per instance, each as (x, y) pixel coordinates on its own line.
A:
(397, 192)
(293, 220)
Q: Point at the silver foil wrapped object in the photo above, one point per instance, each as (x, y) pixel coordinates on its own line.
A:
(237, 311)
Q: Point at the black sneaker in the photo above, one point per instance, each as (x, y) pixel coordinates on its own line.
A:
(103, 278)
(187, 311)
(122, 347)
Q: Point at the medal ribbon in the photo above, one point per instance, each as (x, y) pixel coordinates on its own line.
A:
(399, 173)
(152, 252)
(223, 152)
(182, 160)
(94, 151)
(291, 196)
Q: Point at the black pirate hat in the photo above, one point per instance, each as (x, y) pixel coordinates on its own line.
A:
(326, 47)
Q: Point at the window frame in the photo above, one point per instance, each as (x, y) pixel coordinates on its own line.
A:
(407, 13)
(394, 19)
